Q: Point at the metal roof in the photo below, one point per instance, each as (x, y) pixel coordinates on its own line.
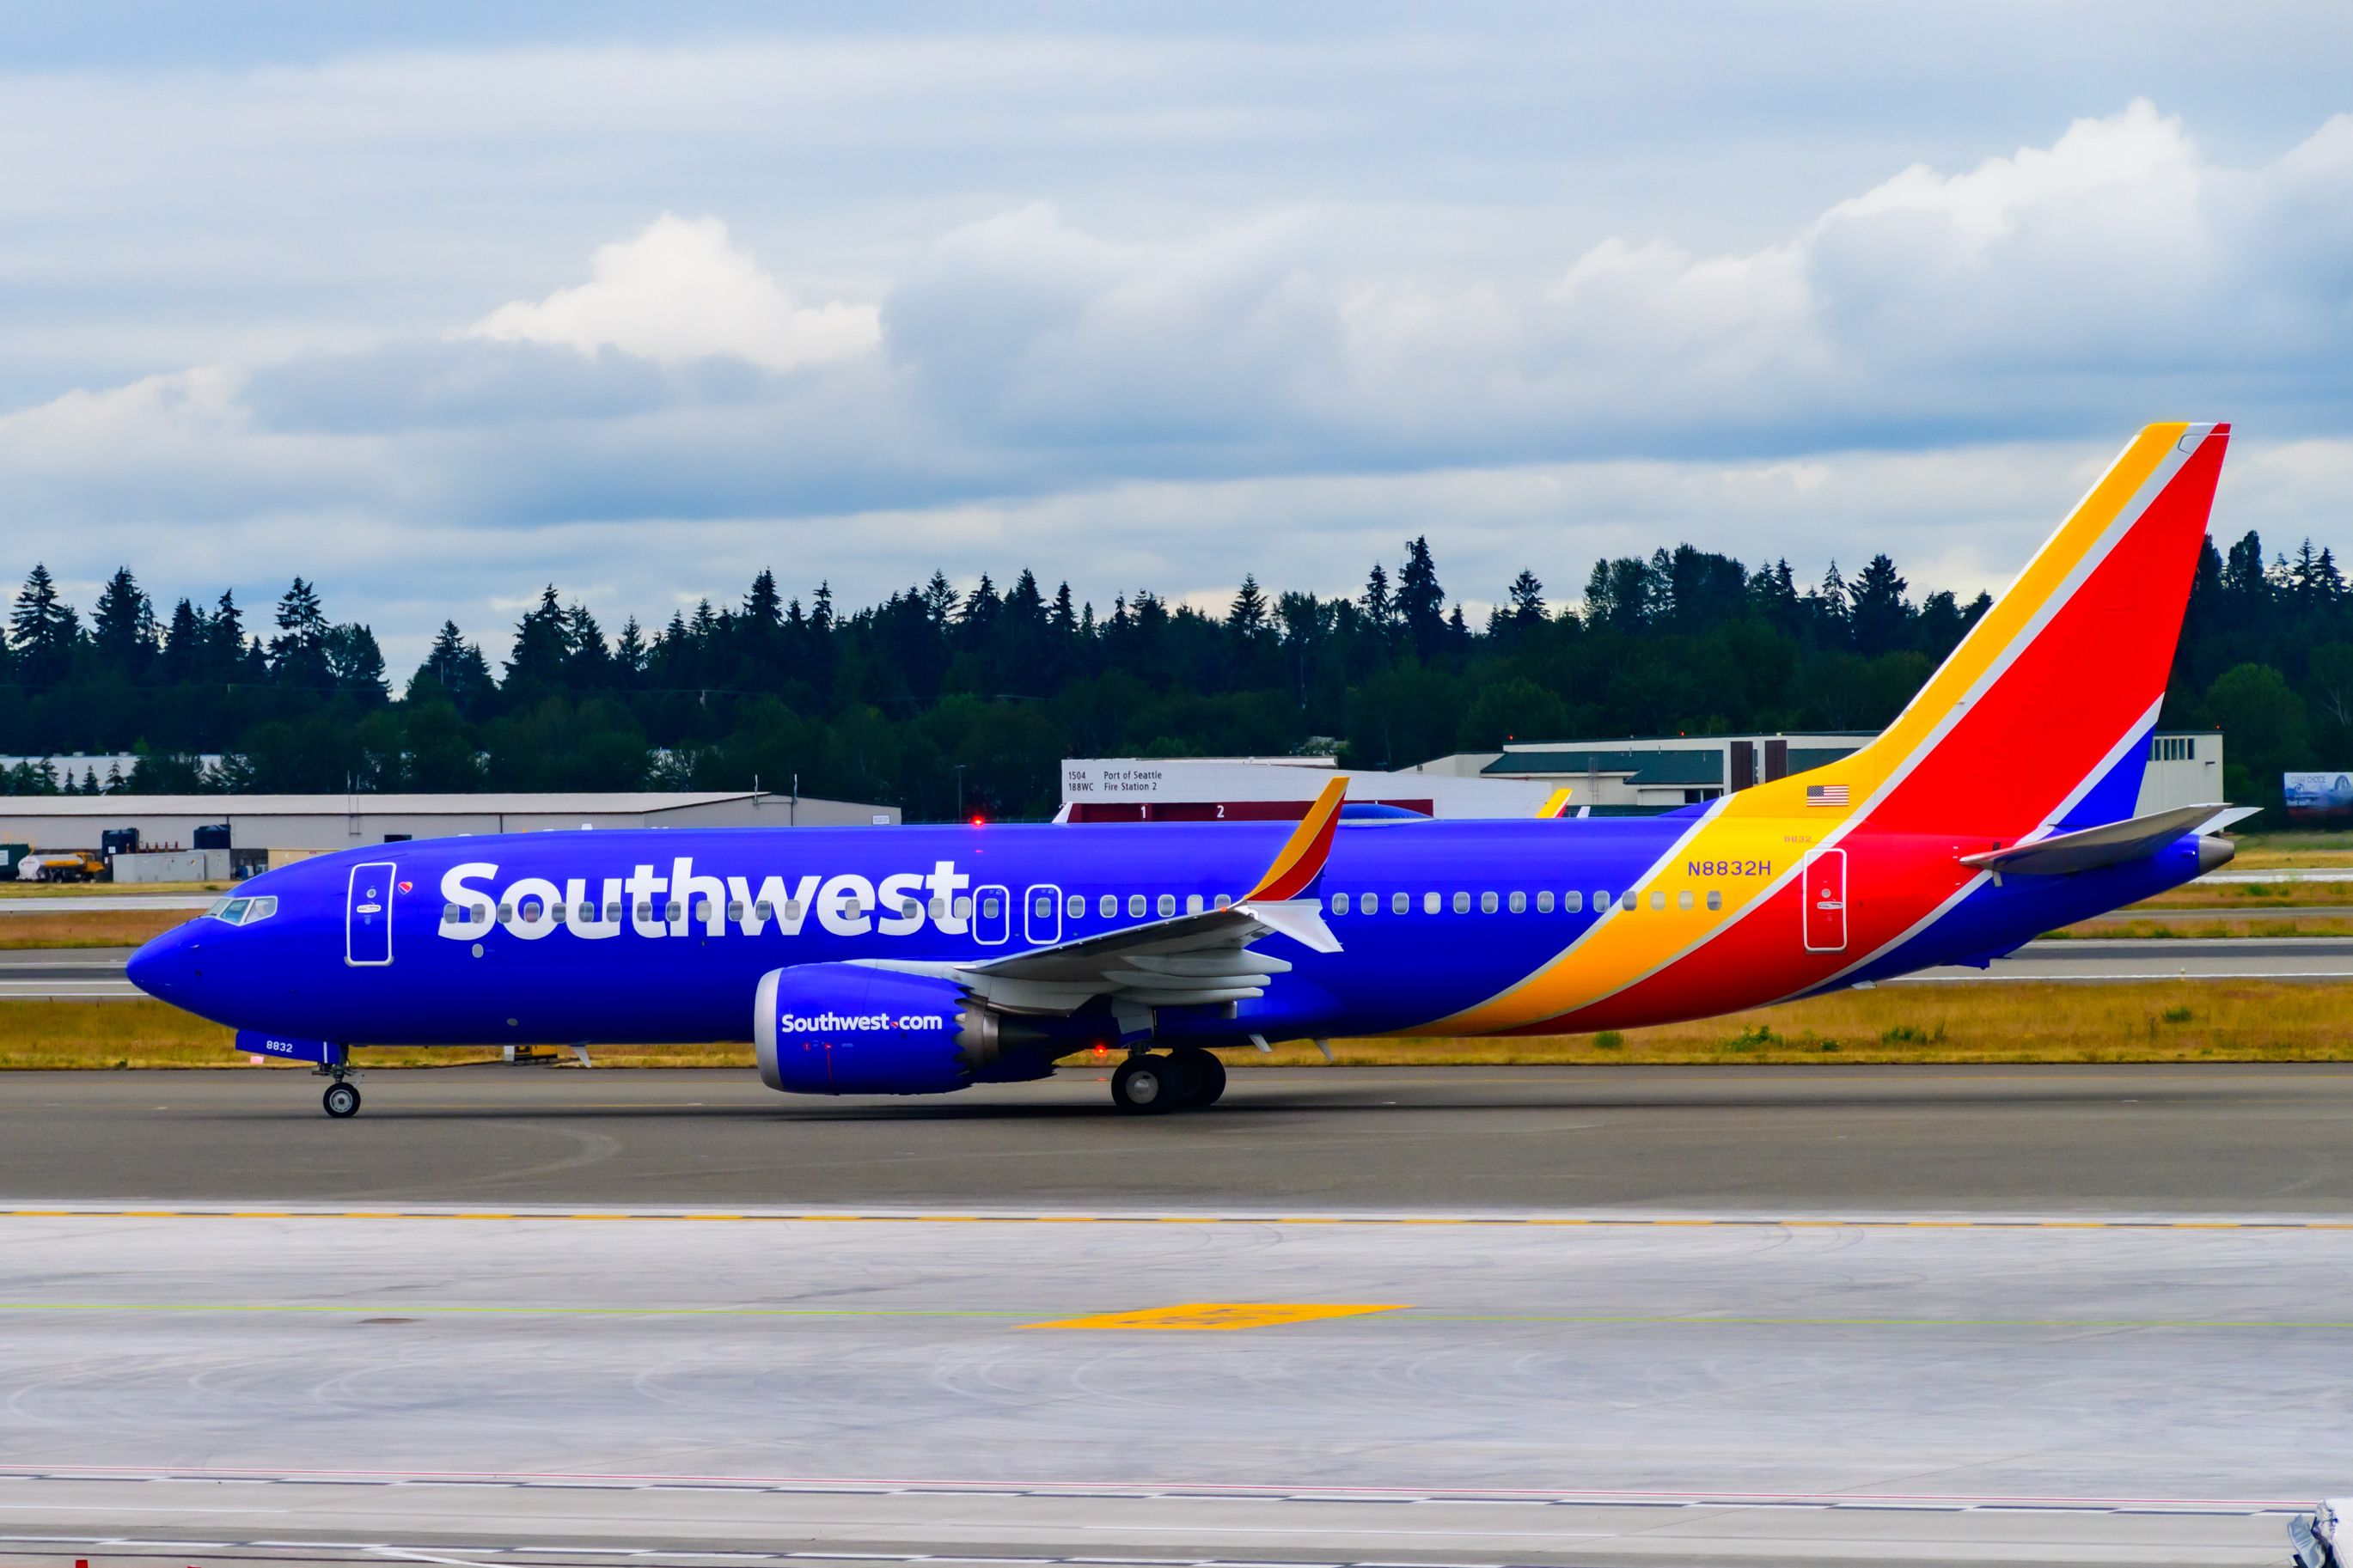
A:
(617, 803)
(1701, 766)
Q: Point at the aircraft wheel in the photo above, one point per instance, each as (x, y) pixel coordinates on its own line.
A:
(1208, 1073)
(1144, 1085)
(342, 1100)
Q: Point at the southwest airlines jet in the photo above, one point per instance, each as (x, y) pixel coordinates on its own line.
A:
(924, 960)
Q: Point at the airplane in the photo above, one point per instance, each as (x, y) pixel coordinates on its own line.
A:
(924, 960)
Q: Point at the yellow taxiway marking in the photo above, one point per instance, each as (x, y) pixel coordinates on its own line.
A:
(1525, 1222)
(1218, 1315)
(1195, 1316)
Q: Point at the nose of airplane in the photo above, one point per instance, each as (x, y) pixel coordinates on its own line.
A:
(166, 965)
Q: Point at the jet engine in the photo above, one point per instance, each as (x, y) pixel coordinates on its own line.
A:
(846, 1029)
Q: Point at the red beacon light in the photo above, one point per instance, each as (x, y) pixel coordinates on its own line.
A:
(978, 821)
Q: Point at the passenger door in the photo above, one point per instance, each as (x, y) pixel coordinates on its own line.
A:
(367, 914)
(1824, 889)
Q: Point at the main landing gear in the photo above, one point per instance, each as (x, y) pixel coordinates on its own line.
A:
(1187, 1078)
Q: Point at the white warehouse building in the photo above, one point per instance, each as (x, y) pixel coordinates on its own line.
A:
(285, 826)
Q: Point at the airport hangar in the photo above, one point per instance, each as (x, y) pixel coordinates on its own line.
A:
(264, 830)
(1636, 776)
(1611, 777)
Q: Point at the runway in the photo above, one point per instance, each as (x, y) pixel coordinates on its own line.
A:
(96, 973)
(2091, 1141)
(558, 1389)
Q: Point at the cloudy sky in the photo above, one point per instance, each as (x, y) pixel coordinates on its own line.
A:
(437, 303)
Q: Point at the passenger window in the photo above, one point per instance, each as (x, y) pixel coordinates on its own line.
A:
(963, 909)
(1369, 903)
(792, 909)
(1684, 899)
(451, 914)
(1544, 903)
(645, 912)
(1167, 905)
(1075, 905)
(1192, 903)
(1573, 902)
(1714, 899)
(612, 914)
(506, 911)
(1108, 905)
(1429, 903)
(1486, 904)
(1225, 901)
(673, 911)
(1461, 903)
(1519, 903)
(1626, 899)
(764, 911)
(1600, 900)
(908, 908)
(939, 909)
(1042, 906)
(1657, 898)
(588, 914)
(989, 906)
(1135, 906)
(1339, 903)
(1400, 903)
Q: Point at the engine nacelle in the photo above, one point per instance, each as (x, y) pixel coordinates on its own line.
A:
(844, 1028)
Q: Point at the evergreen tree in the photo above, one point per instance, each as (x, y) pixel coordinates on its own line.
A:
(1878, 613)
(1420, 602)
(1526, 601)
(43, 629)
(356, 664)
(298, 653)
(1247, 617)
(543, 644)
(123, 626)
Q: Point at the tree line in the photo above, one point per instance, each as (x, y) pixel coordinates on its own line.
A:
(942, 699)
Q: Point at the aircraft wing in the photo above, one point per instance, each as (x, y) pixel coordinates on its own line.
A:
(1188, 960)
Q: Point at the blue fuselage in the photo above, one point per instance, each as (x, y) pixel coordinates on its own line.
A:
(654, 936)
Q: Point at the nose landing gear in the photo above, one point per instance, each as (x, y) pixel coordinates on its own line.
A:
(342, 1098)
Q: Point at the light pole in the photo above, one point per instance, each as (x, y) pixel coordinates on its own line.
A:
(959, 773)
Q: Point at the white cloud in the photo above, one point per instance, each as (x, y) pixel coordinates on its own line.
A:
(1920, 366)
(680, 290)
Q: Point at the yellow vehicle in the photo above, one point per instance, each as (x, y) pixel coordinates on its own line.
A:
(62, 865)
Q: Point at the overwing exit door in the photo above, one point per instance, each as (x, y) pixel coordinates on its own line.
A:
(1825, 895)
(367, 914)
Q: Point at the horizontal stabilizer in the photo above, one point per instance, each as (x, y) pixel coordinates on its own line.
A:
(2112, 844)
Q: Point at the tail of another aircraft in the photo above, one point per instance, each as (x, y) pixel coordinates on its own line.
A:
(2040, 718)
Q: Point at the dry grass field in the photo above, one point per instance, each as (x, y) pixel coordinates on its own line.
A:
(2163, 1022)
(93, 927)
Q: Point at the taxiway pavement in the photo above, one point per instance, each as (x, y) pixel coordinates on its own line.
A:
(459, 1388)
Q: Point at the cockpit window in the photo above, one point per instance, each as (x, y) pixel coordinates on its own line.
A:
(243, 911)
(233, 911)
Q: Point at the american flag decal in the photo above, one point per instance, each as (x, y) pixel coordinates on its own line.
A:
(1826, 794)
